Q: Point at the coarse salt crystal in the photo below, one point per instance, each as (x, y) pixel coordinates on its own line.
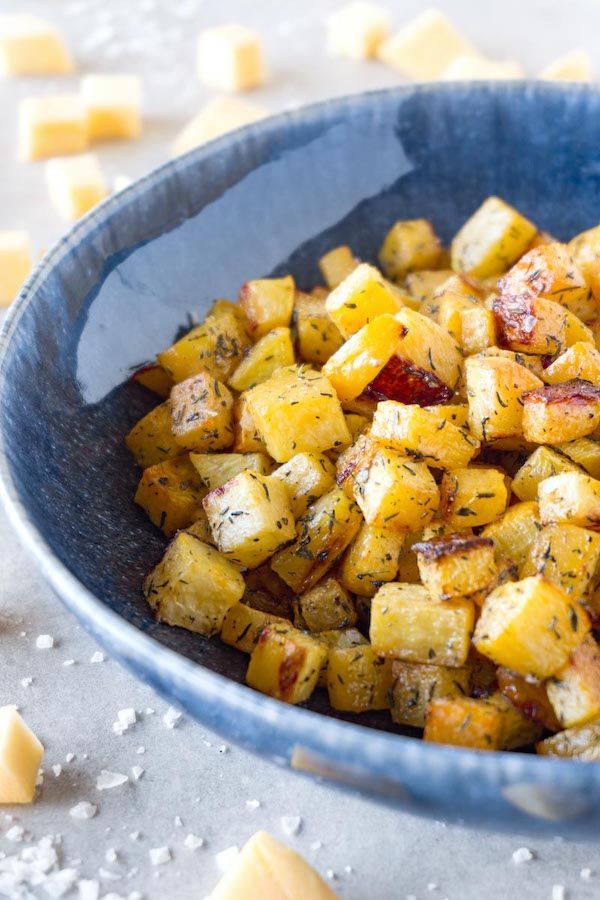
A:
(252, 804)
(177, 821)
(89, 889)
(109, 875)
(111, 855)
(97, 657)
(137, 772)
(83, 810)
(57, 769)
(159, 856)
(585, 874)
(432, 886)
(291, 824)
(348, 869)
(149, 711)
(25, 682)
(69, 662)
(522, 854)
(193, 842)
(140, 750)
(44, 642)
(69, 757)
(171, 717)
(559, 892)
(316, 845)
(223, 748)
(127, 717)
(15, 834)
(135, 835)
(330, 873)
(106, 780)
(226, 858)
(59, 883)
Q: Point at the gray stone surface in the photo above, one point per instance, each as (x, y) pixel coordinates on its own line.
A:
(188, 772)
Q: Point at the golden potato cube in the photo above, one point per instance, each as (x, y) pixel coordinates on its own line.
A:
(423, 48)
(217, 117)
(243, 625)
(326, 606)
(151, 439)
(371, 559)
(306, 477)
(423, 435)
(336, 265)
(318, 336)
(530, 696)
(480, 724)
(584, 452)
(362, 357)
(359, 298)
(531, 627)
(456, 566)
(515, 533)
(357, 30)
(407, 623)
(216, 346)
(566, 555)
(422, 285)
(543, 463)
(171, 494)
(585, 251)
(417, 684)
(477, 330)
(527, 360)
(202, 413)
(495, 388)
(286, 663)
(358, 679)
(15, 263)
(268, 303)
(215, 469)
(456, 413)
(581, 743)
(353, 459)
(409, 245)
(31, 46)
(574, 691)
(530, 324)
(490, 241)
(21, 754)
(193, 586)
(576, 331)
(246, 438)
(250, 517)
(581, 360)
(357, 424)
(562, 412)
(113, 105)
(296, 411)
(394, 491)
(75, 184)
(323, 534)
(155, 379)
(230, 58)
(449, 301)
(271, 352)
(426, 345)
(473, 496)
(53, 125)
(201, 529)
(571, 497)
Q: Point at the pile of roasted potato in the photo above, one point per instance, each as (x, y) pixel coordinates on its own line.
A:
(389, 487)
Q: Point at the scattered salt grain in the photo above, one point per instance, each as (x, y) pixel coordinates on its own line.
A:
(15, 834)
(137, 772)
(25, 682)
(69, 757)
(348, 870)
(193, 842)
(316, 845)
(89, 889)
(83, 810)
(44, 642)
(252, 804)
(330, 874)
(226, 858)
(178, 822)
(141, 750)
(106, 780)
(171, 717)
(97, 657)
(291, 824)
(432, 886)
(159, 856)
(69, 662)
(559, 892)
(59, 883)
(522, 854)
(586, 874)
(149, 711)
(223, 748)
(127, 717)
(57, 769)
(111, 855)
(108, 875)
(135, 835)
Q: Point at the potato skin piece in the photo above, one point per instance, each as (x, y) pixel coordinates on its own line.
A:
(401, 380)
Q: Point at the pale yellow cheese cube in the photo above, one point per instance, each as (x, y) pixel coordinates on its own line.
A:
(113, 106)
(470, 67)
(31, 46)
(573, 66)
(425, 47)
(268, 870)
(357, 30)
(20, 757)
(75, 184)
(219, 116)
(230, 58)
(52, 126)
(15, 263)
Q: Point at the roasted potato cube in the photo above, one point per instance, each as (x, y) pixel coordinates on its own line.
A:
(477, 330)
(531, 627)
(324, 607)
(531, 697)
(423, 435)
(371, 559)
(151, 439)
(416, 685)
(362, 357)
(495, 387)
(250, 517)
(581, 360)
(408, 246)
(286, 663)
(353, 459)
(171, 494)
(324, 532)
(561, 412)
(243, 625)
(574, 691)
(357, 424)
(202, 413)
(473, 496)
(216, 347)
(246, 438)
(584, 452)
(306, 476)
(575, 743)
(408, 623)
(358, 679)
(576, 331)
(155, 379)
(271, 352)
(266, 591)
(295, 411)
(516, 532)
(585, 251)
(543, 462)
(566, 555)
(456, 413)
(201, 529)
(490, 241)
(464, 722)
(426, 345)
(456, 566)
(571, 497)
(422, 285)
(318, 336)
(394, 491)
(535, 364)
(531, 324)
(215, 469)
(193, 586)
(268, 303)
(449, 301)
(359, 298)
(336, 265)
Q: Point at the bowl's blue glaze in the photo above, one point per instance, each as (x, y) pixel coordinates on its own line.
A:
(270, 198)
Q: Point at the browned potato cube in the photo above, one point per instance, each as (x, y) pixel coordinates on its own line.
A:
(324, 607)
(426, 345)
(352, 460)
(495, 388)
(151, 439)
(515, 533)
(286, 663)
(464, 722)
(215, 469)
(581, 743)
(359, 298)
(542, 463)
(171, 494)
(337, 264)
(491, 240)
(473, 496)
(457, 566)
(202, 413)
(531, 697)
(581, 360)
(394, 491)
(477, 330)
(571, 497)
(456, 413)
(268, 303)
(318, 336)
(416, 685)
(216, 347)
(243, 625)
(408, 246)
(585, 452)
(549, 271)
(574, 691)
(246, 438)
(362, 357)
(358, 679)
(271, 352)
(561, 412)
(531, 324)
(306, 477)
(371, 559)
(585, 251)
(250, 517)
(565, 555)
(422, 434)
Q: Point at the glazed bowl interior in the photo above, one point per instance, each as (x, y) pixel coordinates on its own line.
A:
(267, 200)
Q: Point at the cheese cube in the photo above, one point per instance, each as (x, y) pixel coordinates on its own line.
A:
(51, 126)
(425, 47)
(20, 757)
(357, 30)
(469, 67)
(573, 66)
(221, 115)
(31, 46)
(230, 58)
(75, 184)
(113, 106)
(15, 263)
(266, 868)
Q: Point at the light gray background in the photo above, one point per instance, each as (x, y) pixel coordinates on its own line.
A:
(72, 708)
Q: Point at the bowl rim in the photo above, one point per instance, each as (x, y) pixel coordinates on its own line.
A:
(351, 742)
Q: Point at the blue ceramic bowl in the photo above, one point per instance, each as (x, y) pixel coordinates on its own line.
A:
(268, 199)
